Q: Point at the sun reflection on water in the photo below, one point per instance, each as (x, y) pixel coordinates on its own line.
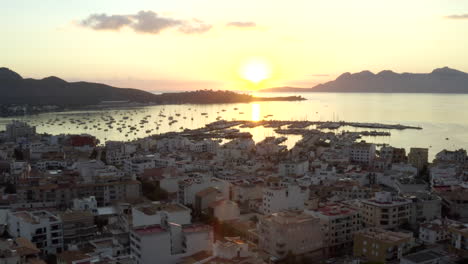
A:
(255, 112)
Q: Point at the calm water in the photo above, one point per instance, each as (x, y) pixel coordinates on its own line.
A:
(442, 116)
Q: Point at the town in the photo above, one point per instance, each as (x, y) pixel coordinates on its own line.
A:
(214, 195)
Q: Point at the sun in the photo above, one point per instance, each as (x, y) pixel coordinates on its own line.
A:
(255, 70)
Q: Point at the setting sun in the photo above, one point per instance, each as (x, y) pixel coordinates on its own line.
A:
(255, 71)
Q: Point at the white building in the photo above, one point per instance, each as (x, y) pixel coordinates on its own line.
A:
(284, 197)
(42, 228)
(85, 204)
(362, 153)
(138, 165)
(117, 152)
(160, 214)
(296, 168)
(435, 231)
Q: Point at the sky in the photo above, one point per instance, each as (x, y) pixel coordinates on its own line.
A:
(210, 44)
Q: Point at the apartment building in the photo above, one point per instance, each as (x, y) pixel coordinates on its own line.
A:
(78, 227)
(339, 222)
(385, 211)
(418, 157)
(283, 197)
(62, 195)
(362, 152)
(42, 228)
(289, 231)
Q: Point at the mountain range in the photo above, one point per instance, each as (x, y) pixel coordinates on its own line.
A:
(442, 80)
(15, 89)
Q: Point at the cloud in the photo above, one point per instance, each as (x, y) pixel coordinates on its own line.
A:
(458, 17)
(105, 22)
(241, 24)
(147, 22)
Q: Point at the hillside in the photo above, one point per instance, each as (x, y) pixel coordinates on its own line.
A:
(55, 91)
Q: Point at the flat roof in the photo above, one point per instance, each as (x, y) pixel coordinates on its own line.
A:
(423, 256)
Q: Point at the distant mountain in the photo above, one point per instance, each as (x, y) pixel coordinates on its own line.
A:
(54, 91)
(442, 80)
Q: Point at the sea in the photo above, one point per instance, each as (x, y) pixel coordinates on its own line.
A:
(443, 117)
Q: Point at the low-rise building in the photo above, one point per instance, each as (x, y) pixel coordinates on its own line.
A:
(42, 228)
(375, 244)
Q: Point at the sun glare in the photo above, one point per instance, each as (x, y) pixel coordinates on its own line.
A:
(255, 71)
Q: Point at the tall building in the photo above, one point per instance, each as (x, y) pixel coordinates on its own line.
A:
(17, 129)
(362, 153)
(289, 231)
(418, 157)
(395, 155)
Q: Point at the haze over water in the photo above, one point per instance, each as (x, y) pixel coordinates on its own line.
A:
(442, 117)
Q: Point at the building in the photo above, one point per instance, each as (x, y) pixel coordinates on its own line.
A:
(293, 168)
(455, 156)
(78, 227)
(42, 228)
(19, 251)
(188, 188)
(379, 245)
(225, 210)
(423, 257)
(394, 155)
(160, 214)
(53, 194)
(385, 211)
(230, 248)
(139, 164)
(425, 206)
(169, 244)
(205, 197)
(339, 222)
(418, 157)
(289, 231)
(362, 153)
(283, 197)
(459, 239)
(85, 204)
(434, 231)
(17, 129)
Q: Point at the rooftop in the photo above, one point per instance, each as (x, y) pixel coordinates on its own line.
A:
(385, 235)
